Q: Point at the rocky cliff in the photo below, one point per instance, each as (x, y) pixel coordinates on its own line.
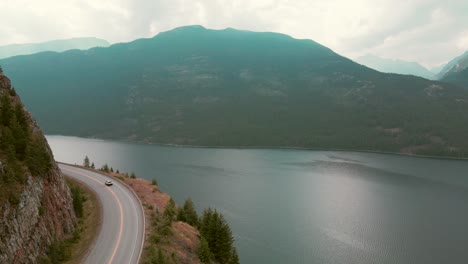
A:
(35, 202)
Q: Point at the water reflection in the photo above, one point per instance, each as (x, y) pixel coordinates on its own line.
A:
(292, 206)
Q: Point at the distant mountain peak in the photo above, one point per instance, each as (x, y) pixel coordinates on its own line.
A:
(457, 64)
(60, 45)
(395, 66)
(456, 71)
(189, 27)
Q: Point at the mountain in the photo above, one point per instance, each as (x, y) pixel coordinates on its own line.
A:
(55, 45)
(395, 66)
(35, 203)
(436, 70)
(456, 71)
(195, 86)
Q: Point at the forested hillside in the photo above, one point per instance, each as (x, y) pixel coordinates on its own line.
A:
(196, 86)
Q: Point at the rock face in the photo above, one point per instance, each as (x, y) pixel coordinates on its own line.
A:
(43, 212)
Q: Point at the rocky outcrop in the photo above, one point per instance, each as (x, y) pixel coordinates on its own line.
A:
(43, 212)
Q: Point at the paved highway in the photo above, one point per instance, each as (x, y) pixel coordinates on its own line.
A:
(120, 239)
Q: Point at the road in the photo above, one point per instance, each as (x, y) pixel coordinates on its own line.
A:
(120, 239)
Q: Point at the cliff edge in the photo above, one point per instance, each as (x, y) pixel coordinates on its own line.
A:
(35, 203)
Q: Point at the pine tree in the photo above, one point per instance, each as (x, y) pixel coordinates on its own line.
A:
(218, 235)
(234, 257)
(105, 168)
(203, 251)
(21, 138)
(86, 162)
(21, 116)
(191, 216)
(92, 166)
(170, 211)
(6, 112)
(38, 157)
(12, 91)
(181, 216)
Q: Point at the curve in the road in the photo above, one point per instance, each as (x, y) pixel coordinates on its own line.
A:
(123, 227)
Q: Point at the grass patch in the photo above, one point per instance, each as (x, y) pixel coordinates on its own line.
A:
(88, 225)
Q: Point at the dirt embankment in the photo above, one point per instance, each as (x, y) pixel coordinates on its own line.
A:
(177, 246)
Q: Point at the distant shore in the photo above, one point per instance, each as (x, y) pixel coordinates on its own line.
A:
(267, 148)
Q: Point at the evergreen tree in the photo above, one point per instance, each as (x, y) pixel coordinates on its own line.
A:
(12, 91)
(111, 169)
(6, 112)
(92, 166)
(154, 182)
(7, 142)
(234, 257)
(203, 251)
(20, 139)
(21, 116)
(38, 158)
(170, 211)
(218, 235)
(86, 162)
(105, 168)
(191, 216)
(181, 216)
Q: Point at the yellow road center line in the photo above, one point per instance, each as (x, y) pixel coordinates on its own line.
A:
(121, 213)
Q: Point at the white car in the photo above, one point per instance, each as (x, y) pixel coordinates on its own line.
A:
(108, 183)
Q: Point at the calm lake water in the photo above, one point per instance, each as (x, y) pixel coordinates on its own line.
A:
(293, 206)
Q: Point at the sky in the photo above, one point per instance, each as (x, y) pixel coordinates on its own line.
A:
(426, 31)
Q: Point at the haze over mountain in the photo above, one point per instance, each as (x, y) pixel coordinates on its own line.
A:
(228, 87)
(456, 71)
(54, 45)
(436, 70)
(395, 66)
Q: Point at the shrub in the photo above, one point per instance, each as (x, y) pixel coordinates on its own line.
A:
(77, 201)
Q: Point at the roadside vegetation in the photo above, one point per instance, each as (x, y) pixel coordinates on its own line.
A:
(214, 240)
(86, 207)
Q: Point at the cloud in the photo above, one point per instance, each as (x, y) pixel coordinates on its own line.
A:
(427, 31)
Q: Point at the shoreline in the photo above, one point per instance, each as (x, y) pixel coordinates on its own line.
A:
(266, 148)
(152, 199)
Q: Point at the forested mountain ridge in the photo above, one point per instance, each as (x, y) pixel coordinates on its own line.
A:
(196, 86)
(35, 204)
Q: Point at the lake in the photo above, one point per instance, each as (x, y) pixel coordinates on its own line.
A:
(298, 206)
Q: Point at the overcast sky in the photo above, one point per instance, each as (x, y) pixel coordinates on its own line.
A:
(429, 32)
